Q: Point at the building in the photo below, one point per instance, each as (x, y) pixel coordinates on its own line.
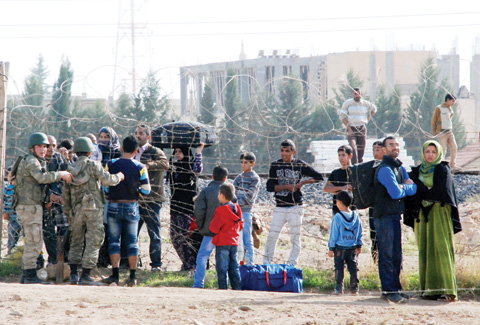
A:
(320, 75)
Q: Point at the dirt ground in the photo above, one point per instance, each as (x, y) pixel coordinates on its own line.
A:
(38, 304)
(66, 304)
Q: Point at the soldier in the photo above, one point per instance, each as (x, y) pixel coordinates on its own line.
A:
(84, 201)
(29, 174)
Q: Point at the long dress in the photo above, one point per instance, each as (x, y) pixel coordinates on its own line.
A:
(434, 233)
(436, 259)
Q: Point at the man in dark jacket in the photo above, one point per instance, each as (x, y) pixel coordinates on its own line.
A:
(156, 163)
(391, 185)
(205, 206)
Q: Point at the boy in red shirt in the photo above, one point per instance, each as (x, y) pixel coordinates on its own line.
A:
(226, 225)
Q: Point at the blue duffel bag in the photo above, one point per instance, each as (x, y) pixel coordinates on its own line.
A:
(272, 277)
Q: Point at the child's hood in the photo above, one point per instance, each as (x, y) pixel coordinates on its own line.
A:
(349, 220)
(230, 207)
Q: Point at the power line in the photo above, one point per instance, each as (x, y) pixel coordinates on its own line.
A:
(246, 21)
(246, 33)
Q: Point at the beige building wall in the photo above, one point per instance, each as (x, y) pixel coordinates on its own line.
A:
(376, 69)
(470, 117)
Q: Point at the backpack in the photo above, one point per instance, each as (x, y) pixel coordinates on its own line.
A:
(13, 176)
(362, 178)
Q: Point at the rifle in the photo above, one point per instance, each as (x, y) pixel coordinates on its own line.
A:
(61, 241)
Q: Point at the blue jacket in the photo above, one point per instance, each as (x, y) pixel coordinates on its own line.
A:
(345, 231)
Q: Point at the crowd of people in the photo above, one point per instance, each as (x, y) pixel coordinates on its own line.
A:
(101, 194)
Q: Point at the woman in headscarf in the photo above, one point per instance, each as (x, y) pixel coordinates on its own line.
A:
(108, 144)
(433, 214)
(182, 178)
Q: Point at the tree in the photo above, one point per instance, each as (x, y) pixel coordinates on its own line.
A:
(61, 95)
(207, 104)
(345, 91)
(429, 94)
(232, 131)
(388, 118)
(148, 105)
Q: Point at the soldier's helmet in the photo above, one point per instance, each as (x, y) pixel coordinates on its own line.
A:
(37, 138)
(83, 144)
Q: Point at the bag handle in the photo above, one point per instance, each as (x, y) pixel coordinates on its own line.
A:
(267, 274)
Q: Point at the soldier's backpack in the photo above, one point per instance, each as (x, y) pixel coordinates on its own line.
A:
(13, 175)
(362, 178)
(184, 134)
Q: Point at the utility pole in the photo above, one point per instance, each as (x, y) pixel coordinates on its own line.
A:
(3, 127)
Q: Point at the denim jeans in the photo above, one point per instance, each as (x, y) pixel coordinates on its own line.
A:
(204, 253)
(389, 239)
(123, 224)
(14, 231)
(150, 215)
(245, 248)
(227, 267)
(349, 257)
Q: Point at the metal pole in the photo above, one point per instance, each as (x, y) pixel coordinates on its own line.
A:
(3, 128)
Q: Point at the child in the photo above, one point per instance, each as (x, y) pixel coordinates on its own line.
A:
(9, 214)
(247, 186)
(226, 225)
(345, 242)
(205, 206)
(339, 178)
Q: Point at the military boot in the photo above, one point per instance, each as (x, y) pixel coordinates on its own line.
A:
(22, 279)
(73, 274)
(86, 280)
(32, 278)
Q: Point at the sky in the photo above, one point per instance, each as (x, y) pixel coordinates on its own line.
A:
(96, 35)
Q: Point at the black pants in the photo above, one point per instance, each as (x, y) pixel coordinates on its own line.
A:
(349, 257)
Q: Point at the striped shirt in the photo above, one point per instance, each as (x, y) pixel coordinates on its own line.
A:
(136, 180)
(247, 186)
(357, 113)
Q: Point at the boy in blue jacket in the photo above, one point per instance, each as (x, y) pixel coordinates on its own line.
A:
(345, 242)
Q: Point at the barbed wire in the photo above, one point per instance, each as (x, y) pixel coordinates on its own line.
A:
(273, 130)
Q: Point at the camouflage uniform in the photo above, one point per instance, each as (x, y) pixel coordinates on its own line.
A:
(29, 195)
(83, 201)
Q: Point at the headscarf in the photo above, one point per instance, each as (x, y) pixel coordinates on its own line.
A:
(113, 143)
(185, 164)
(426, 168)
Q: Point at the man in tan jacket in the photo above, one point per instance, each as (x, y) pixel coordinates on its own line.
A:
(442, 128)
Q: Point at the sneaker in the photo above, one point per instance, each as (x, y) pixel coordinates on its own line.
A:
(338, 292)
(156, 269)
(354, 293)
(406, 295)
(131, 282)
(395, 298)
(110, 280)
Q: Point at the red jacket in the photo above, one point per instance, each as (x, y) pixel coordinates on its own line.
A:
(226, 225)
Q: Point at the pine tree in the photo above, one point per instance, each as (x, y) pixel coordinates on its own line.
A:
(61, 95)
(388, 118)
(207, 104)
(429, 94)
